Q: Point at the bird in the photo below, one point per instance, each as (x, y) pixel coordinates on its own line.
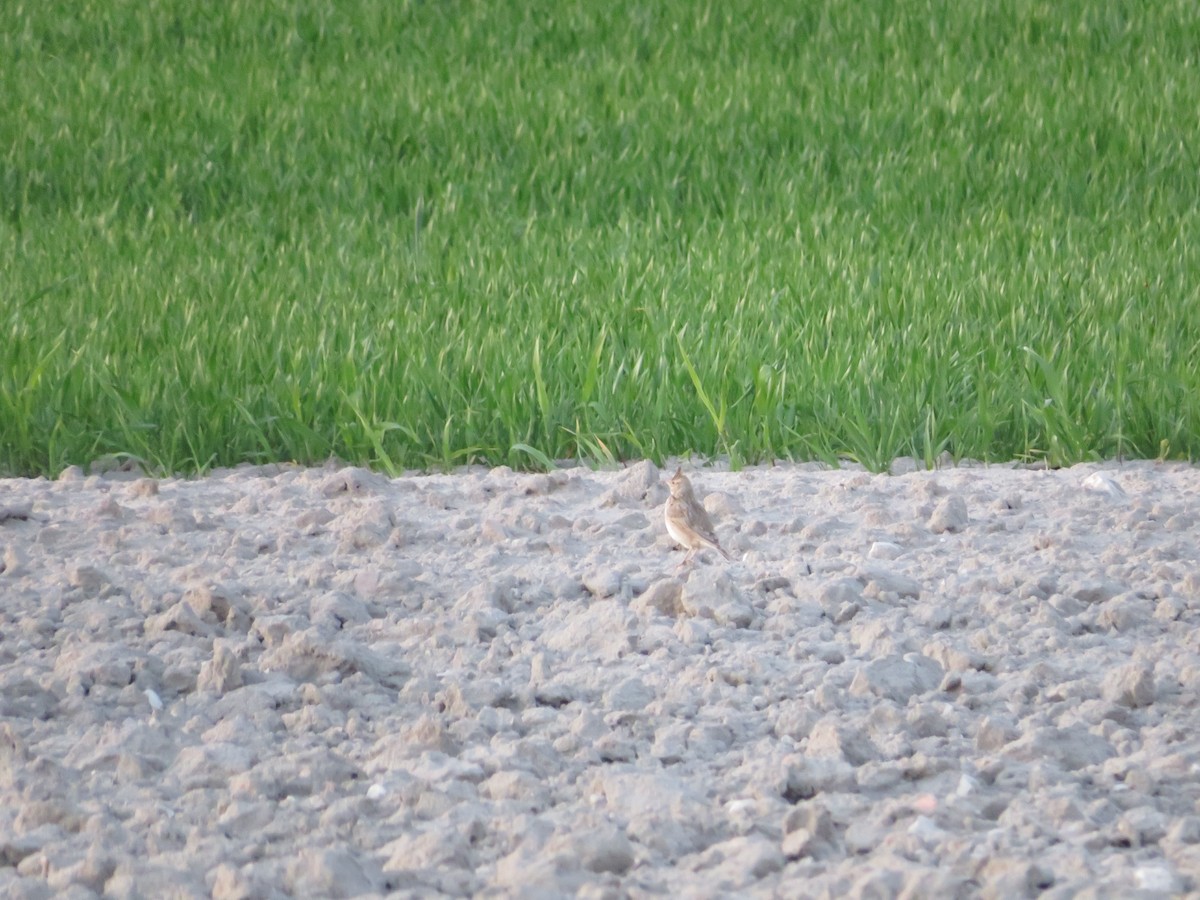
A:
(687, 521)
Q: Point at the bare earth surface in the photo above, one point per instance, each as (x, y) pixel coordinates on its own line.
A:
(321, 682)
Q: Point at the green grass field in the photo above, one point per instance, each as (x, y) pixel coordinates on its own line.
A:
(417, 234)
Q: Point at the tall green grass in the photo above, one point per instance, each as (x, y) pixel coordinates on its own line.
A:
(427, 233)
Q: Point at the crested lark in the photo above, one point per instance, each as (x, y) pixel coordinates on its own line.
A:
(687, 521)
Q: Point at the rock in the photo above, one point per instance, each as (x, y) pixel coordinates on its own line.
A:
(950, 657)
(222, 673)
(864, 834)
(91, 581)
(229, 883)
(809, 831)
(555, 693)
(540, 484)
(16, 511)
(352, 481)
(664, 598)
(76, 873)
(24, 698)
(1001, 877)
(832, 738)
(994, 732)
(1125, 612)
(604, 582)
(723, 507)
(14, 561)
(601, 630)
(309, 655)
(334, 611)
(839, 592)
(795, 719)
(712, 594)
(433, 845)
(950, 515)
(181, 617)
(606, 849)
(139, 878)
(1158, 879)
(897, 678)
(1142, 826)
(1102, 483)
(670, 743)
(884, 550)
(1093, 590)
(331, 872)
(663, 812)
(628, 695)
(104, 663)
(638, 481)
(773, 583)
(210, 765)
(1131, 685)
(428, 732)
(740, 861)
(1072, 747)
(880, 582)
(1184, 831)
(515, 784)
(219, 605)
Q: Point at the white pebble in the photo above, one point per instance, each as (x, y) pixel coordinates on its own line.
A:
(1103, 484)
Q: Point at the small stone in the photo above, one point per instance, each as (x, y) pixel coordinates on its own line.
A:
(607, 850)
(1142, 826)
(14, 561)
(90, 580)
(663, 597)
(743, 860)
(845, 613)
(994, 732)
(896, 677)
(1004, 876)
(1158, 880)
(949, 515)
(1096, 591)
(773, 583)
(638, 482)
(142, 878)
(1125, 612)
(331, 873)
(144, 487)
(840, 591)
(1185, 830)
(831, 738)
(1072, 747)
(19, 511)
(603, 582)
(713, 595)
(884, 550)
(670, 743)
(1131, 685)
(180, 617)
(1101, 483)
(809, 832)
(629, 695)
(880, 580)
(351, 481)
